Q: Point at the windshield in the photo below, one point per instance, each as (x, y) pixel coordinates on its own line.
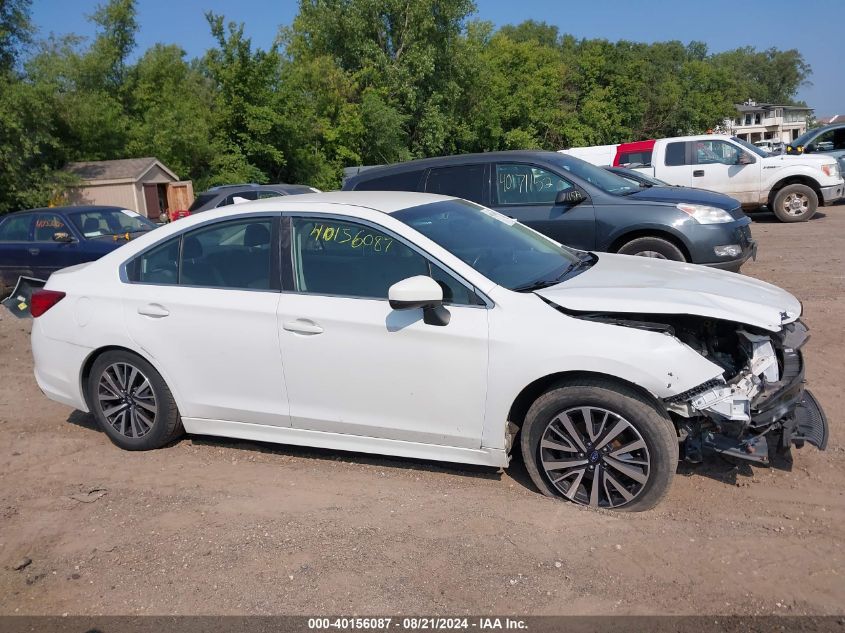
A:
(596, 176)
(760, 152)
(501, 249)
(99, 222)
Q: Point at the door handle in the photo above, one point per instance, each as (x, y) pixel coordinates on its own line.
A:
(34, 251)
(698, 173)
(302, 326)
(153, 310)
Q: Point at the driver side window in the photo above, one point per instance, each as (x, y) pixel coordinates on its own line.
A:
(526, 184)
(337, 257)
(712, 152)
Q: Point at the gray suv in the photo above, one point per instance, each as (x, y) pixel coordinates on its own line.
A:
(829, 139)
(581, 205)
(232, 194)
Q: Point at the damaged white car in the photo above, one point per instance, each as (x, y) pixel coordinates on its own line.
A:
(427, 327)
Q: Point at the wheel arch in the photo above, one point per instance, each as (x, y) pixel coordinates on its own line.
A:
(532, 391)
(620, 240)
(794, 180)
(85, 372)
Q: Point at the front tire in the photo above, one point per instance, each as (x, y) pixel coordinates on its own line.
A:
(655, 247)
(795, 203)
(600, 444)
(131, 402)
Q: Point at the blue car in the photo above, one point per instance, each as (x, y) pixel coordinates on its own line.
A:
(37, 242)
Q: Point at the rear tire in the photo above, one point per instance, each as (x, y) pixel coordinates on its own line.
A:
(795, 203)
(624, 461)
(655, 247)
(131, 402)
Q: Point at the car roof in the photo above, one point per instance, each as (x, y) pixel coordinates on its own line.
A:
(424, 163)
(281, 186)
(69, 210)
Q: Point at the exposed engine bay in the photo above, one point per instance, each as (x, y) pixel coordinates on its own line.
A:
(758, 408)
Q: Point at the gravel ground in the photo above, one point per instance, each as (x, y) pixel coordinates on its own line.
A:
(210, 526)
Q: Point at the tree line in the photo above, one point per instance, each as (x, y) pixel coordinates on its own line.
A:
(349, 82)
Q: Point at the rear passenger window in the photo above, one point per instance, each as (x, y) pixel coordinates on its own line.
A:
(159, 265)
(406, 181)
(463, 181)
(225, 255)
(675, 154)
(333, 257)
(15, 228)
(228, 255)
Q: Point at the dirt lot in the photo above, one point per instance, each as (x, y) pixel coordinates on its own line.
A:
(211, 526)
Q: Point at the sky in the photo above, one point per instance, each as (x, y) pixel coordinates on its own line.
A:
(814, 27)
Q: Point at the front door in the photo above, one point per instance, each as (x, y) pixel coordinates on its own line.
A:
(50, 255)
(715, 166)
(203, 307)
(355, 366)
(527, 193)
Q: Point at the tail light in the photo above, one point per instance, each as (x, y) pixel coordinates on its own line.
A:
(43, 300)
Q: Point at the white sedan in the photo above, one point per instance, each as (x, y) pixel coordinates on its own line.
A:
(427, 327)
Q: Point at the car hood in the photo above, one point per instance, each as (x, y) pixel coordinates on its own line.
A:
(785, 160)
(686, 194)
(641, 285)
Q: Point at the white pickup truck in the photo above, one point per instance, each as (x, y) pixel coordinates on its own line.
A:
(791, 186)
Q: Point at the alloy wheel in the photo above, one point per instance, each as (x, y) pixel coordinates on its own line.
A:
(796, 204)
(653, 254)
(595, 457)
(127, 400)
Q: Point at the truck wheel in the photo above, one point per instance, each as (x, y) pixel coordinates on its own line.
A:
(601, 444)
(653, 247)
(795, 203)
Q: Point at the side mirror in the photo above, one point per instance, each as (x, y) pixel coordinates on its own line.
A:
(420, 292)
(744, 159)
(570, 197)
(61, 236)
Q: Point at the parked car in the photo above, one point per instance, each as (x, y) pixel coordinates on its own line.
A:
(637, 178)
(791, 186)
(37, 242)
(771, 146)
(430, 327)
(581, 205)
(235, 194)
(829, 140)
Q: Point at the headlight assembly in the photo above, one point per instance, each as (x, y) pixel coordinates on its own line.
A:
(704, 214)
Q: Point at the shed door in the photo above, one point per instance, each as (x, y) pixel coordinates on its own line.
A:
(151, 199)
(180, 195)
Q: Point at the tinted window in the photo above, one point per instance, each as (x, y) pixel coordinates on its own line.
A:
(406, 181)
(159, 265)
(228, 255)
(15, 228)
(238, 197)
(675, 154)
(202, 200)
(635, 158)
(47, 225)
(463, 181)
(525, 184)
(334, 257)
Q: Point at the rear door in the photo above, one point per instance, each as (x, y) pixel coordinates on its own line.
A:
(15, 245)
(673, 165)
(203, 306)
(527, 193)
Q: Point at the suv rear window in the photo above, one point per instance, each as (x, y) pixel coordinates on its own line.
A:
(461, 181)
(405, 181)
